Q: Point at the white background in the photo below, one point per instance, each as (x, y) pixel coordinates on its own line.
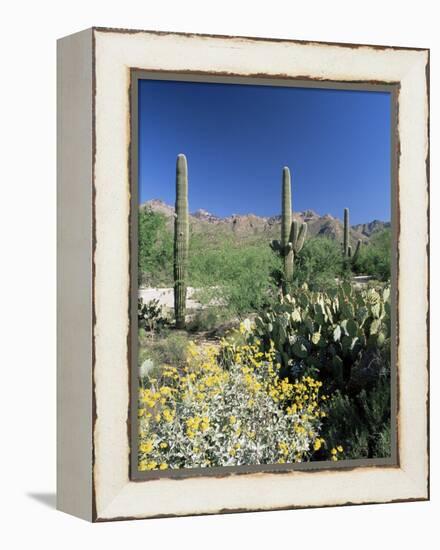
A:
(27, 300)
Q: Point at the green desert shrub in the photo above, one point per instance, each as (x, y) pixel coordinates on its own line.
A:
(375, 258)
(155, 249)
(360, 423)
(229, 272)
(319, 263)
(208, 319)
(237, 278)
(167, 348)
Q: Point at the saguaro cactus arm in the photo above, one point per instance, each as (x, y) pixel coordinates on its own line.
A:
(275, 246)
(356, 251)
(347, 250)
(181, 240)
(293, 233)
(298, 235)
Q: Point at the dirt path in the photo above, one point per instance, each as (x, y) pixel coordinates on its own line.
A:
(166, 297)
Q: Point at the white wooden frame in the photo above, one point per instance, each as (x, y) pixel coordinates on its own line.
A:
(94, 275)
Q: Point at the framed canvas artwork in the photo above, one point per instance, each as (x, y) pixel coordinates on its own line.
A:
(243, 288)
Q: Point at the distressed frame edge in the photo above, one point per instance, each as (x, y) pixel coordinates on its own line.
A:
(74, 274)
(305, 42)
(230, 511)
(428, 259)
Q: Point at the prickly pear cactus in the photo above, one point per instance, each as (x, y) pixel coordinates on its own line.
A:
(333, 333)
(292, 234)
(181, 240)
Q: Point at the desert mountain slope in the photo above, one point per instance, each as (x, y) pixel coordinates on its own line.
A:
(368, 229)
(248, 226)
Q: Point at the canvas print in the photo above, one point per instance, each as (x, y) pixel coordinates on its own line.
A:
(264, 275)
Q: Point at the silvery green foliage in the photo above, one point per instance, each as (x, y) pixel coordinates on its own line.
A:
(146, 368)
(211, 415)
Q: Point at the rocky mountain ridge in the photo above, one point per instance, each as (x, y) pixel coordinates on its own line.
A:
(248, 225)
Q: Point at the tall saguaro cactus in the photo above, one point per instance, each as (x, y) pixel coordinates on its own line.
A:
(181, 240)
(286, 223)
(346, 232)
(349, 256)
(292, 234)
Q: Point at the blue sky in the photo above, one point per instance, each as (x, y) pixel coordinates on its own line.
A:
(237, 138)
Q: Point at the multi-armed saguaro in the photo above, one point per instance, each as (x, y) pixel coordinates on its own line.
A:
(181, 240)
(347, 250)
(292, 233)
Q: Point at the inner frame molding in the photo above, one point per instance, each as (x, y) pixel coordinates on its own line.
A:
(94, 85)
(393, 89)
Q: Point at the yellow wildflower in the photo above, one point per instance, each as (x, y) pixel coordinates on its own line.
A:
(204, 424)
(317, 445)
(168, 415)
(146, 447)
(144, 465)
(283, 447)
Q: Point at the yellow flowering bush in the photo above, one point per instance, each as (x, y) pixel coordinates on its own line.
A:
(227, 407)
